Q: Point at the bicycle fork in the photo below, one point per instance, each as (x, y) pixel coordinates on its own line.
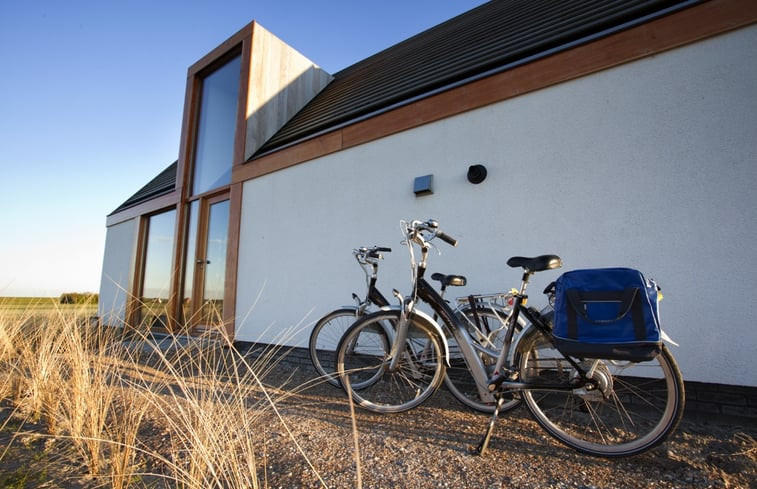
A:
(400, 334)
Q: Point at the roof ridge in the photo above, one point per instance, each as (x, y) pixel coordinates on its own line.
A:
(163, 183)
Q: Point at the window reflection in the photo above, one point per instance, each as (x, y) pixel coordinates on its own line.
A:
(215, 265)
(158, 265)
(189, 262)
(216, 127)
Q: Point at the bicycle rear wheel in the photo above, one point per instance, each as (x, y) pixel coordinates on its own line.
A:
(459, 380)
(324, 339)
(363, 359)
(632, 408)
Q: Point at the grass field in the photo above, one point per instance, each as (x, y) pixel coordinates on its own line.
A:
(43, 305)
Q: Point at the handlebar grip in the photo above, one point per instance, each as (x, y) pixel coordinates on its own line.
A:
(446, 238)
(377, 250)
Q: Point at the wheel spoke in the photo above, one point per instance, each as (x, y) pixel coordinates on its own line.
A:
(623, 409)
(419, 370)
(324, 339)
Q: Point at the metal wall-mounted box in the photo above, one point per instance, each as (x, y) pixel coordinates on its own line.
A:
(423, 185)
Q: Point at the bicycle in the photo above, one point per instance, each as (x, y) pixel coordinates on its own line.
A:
(601, 407)
(481, 313)
(329, 329)
(468, 334)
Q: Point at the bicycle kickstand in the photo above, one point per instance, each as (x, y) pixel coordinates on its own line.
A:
(481, 448)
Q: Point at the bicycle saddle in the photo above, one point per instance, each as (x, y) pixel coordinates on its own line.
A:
(453, 280)
(535, 264)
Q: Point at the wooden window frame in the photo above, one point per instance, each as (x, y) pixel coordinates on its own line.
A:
(238, 44)
(203, 209)
(140, 260)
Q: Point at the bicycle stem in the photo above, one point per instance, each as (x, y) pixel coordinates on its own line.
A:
(407, 304)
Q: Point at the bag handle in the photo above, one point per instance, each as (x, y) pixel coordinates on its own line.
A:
(577, 297)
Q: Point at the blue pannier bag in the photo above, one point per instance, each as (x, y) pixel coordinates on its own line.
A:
(607, 313)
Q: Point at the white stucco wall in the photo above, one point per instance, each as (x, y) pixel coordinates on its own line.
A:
(650, 165)
(117, 274)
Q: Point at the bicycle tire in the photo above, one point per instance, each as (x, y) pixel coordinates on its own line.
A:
(459, 380)
(635, 408)
(363, 359)
(324, 339)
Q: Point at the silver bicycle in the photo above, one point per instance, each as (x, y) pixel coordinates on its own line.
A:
(394, 359)
(481, 314)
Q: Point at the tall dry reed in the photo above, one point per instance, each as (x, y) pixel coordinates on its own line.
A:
(99, 388)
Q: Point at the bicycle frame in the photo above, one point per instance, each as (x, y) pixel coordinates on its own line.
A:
(465, 342)
(372, 296)
(506, 373)
(375, 297)
(585, 403)
(426, 292)
(536, 321)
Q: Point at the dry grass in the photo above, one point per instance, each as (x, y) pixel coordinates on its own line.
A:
(100, 390)
(82, 407)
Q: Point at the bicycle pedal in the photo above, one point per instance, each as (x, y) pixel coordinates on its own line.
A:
(499, 379)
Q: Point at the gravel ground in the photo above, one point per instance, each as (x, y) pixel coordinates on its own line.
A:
(423, 448)
(428, 448)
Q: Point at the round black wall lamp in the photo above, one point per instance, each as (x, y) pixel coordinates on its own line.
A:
(476, 174)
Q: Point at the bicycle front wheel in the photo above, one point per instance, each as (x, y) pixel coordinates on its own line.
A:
(324, 338)
(628, 408)
(363, 363)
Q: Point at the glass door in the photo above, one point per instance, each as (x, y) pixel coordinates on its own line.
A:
(206, 267)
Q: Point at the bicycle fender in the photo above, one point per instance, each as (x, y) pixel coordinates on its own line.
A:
(427, 320)
(667, 339)
(528, 331)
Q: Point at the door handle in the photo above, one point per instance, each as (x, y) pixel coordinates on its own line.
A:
(203, 262)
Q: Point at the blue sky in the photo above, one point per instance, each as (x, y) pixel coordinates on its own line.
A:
(91, 101)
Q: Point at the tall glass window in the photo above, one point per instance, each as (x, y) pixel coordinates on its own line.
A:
(158, 265)
(214, 147)
(189, 261)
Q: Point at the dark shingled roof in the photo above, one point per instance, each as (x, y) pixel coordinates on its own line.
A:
(164, 183)
(493, 36)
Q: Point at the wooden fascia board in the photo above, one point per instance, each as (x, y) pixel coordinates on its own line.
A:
(219, 51)
(299, 153)
(684, 27)
(148, 207)
(232, 259)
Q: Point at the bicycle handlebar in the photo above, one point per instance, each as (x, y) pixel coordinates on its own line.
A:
(415, 227)
(370, 255)
(446, 238)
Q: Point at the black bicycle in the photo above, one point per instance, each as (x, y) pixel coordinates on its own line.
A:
(394, 359)
(329, 329)
(482, 315)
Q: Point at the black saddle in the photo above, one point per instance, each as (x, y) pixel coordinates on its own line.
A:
(450, 280)
(535, 264)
